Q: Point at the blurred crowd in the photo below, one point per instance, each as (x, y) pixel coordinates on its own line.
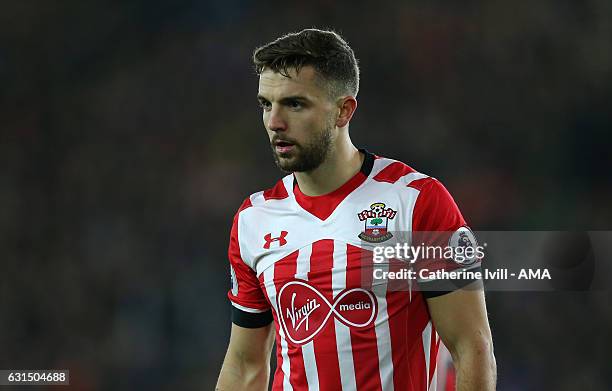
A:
(130, 133)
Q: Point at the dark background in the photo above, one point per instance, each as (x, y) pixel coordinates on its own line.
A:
(130, 134)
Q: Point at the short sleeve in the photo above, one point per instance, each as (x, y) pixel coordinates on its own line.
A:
(437, 224)
(250, 308)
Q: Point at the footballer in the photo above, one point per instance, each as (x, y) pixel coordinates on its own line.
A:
(296, 249)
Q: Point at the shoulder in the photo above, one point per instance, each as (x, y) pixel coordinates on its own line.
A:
(430, 190)
(262, 199)
(432, 201)
(398, 173)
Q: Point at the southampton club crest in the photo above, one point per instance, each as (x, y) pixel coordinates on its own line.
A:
(376, 221)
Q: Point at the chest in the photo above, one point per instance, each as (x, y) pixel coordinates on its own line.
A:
(271, 234)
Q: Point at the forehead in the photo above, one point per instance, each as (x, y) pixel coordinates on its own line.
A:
(274, 86)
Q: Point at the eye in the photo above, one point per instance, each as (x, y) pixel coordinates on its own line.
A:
(265, 105)
(294, 104)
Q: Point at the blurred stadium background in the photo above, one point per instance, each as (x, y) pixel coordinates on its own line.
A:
(130, 134)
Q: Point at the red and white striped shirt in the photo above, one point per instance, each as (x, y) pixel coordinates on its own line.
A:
(301, 258)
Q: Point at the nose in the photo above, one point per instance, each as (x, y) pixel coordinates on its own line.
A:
(275, 120)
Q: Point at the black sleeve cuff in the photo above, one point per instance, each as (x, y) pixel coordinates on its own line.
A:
(442, 287)
(251, 320)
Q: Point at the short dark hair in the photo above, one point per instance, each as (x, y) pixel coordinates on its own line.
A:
(325, 50)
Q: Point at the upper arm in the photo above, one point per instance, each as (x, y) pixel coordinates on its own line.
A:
(438, 223)
(460, 317)
(247, 361)
(250, 307)
(252, 333)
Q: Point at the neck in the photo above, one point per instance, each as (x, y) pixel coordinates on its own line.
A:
(342, 163)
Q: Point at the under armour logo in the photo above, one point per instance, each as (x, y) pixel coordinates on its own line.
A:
(281, 239)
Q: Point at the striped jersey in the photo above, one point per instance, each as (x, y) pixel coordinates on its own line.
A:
(298, 260)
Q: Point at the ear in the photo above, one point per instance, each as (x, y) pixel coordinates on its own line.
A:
(347, 106)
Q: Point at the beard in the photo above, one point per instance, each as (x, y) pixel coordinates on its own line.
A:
(307, 157)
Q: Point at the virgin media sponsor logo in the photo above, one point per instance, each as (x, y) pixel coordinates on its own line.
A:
(304, 311)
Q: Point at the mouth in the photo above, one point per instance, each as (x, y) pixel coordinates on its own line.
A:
(283, 147)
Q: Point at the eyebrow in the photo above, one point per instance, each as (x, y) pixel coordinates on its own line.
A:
(286, 99)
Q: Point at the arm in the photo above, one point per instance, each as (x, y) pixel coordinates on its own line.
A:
(460, 317)
(247, 361)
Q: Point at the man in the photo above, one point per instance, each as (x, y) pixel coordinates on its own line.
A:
(296, 250)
